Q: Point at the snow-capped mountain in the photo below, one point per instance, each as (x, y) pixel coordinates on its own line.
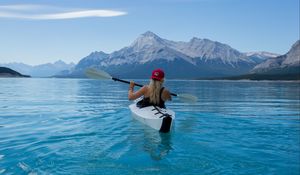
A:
(262, 54)
(205, 49)
(293, 56)
(146, 48)
(288, 63)
(42, 70)
(91, 60)
(192, 59)
(149, 47)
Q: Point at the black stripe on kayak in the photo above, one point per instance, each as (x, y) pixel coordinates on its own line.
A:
(166, 124)
(167, 120)
(159, 112)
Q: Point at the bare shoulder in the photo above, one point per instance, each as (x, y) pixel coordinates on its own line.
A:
(146, 87)
(146, 90)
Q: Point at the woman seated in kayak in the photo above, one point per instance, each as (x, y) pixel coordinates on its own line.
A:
(154, 93)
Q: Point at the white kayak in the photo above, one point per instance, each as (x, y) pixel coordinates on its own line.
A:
(157, 118)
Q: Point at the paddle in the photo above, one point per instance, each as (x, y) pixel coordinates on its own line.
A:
(99, 74)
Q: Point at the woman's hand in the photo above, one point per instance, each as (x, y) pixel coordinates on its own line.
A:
(134, 95)
(131, 86)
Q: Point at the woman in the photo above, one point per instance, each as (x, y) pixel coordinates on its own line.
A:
(154, 93)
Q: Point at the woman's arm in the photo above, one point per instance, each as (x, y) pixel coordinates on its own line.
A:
(166, 95)
(134, 95)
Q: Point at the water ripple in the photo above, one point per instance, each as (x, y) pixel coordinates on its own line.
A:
(74, 126)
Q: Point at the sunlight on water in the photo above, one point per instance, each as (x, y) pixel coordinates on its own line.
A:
(78, 126)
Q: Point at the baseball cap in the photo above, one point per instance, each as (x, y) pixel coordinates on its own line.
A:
(158, 74)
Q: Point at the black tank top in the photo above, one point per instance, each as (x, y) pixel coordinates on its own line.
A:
(146, 101)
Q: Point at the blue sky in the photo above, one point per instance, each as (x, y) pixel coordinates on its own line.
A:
(36, 32)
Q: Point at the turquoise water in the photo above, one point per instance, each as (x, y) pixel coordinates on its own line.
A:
(77, 126)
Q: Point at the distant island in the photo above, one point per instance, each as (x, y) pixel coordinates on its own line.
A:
(7, 72)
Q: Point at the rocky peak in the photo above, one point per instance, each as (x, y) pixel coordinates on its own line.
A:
(147, 40)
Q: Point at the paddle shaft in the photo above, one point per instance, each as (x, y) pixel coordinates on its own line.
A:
(128, 82)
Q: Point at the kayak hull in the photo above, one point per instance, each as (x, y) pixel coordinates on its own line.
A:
(155, 117)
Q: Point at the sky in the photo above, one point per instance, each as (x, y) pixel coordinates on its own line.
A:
(41, 31)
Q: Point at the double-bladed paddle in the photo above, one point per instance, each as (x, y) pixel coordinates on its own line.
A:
(100, 74)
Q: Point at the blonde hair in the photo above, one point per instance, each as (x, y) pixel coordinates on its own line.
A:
(155, 87)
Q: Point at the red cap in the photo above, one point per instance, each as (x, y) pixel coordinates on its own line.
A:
(158, 74)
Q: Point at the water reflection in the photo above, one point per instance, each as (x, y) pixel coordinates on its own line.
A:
(157, 144)
(230, 97)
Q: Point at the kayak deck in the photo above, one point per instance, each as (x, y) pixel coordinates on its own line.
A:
(157, 118)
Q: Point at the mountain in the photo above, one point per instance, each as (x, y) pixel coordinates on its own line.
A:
(283, 67)
(261, 56)
(50, 69)
(288, 63)
(195, 58)
(7, 72)
(42, 70)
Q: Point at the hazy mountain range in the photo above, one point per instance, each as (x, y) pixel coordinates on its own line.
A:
(43, 70)
(192, 59)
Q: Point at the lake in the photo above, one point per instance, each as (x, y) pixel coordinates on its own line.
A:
(82, 126)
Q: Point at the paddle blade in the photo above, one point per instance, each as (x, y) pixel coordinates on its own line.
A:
(188, 98)
(97, 74)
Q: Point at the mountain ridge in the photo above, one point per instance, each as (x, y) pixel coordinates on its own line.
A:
(41, 70)
(201, 57)
(192, 59)
(287, 63)
(283, 67)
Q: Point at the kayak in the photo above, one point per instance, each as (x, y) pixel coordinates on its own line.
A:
(157, 118)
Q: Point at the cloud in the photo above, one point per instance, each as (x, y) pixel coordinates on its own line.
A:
(21, 7)
(33, 12)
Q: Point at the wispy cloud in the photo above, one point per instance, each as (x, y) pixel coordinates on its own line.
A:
(21, 7)
(34, 12)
